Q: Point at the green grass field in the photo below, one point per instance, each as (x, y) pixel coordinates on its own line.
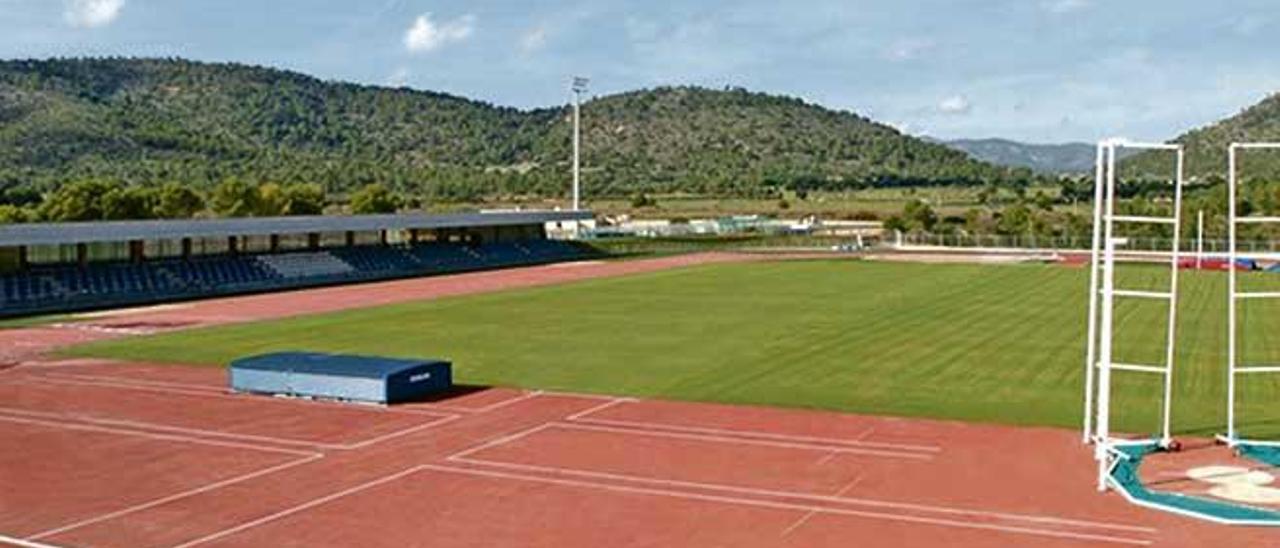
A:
(986, 343)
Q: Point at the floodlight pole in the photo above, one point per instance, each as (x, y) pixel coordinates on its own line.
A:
(579, 86)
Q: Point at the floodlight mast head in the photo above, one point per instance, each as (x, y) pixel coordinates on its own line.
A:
(580, 84)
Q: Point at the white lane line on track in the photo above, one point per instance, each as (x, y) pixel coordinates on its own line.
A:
(856, 442)
(59, 379)
(141, 425)
(301, 507)
(803, 519)
(797, 507)
(499, 440)
(176, 496)
(1033, 518)
(440, 418)
(4, 416)
(24, 543)
(658, 492)
(747, 441)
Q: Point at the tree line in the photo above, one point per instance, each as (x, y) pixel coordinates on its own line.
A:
(96, 200)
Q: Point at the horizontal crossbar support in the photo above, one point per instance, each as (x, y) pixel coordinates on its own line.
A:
(1257, 369)
(1141, 294)
(1255, 146)
(1120, 143)
(1256, 220)
(1159, 370)
(1259, 295)
(1148, 220)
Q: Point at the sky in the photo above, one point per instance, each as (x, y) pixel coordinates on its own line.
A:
(1032, 70)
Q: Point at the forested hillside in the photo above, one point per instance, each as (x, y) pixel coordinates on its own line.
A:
(1206, 148)
(124, 123)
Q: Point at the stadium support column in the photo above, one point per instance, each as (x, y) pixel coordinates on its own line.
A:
(137, 251)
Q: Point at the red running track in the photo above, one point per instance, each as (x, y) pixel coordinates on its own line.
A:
(189, 464)
(126, 454)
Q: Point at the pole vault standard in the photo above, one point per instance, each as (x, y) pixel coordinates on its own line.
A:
(1100, 364)
(1234, 368)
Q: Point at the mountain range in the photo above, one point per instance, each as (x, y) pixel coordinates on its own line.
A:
(151, 121)
(1065, 158)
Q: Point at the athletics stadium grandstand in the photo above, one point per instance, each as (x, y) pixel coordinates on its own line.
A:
(61, 267)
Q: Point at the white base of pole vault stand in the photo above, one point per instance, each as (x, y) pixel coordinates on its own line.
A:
(1102, 297)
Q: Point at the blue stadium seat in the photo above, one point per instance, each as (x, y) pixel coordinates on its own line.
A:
(49, 288)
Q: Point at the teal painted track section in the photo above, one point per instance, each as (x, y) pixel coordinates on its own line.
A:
(1124, 477)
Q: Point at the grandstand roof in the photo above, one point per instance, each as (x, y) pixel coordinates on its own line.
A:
(123, 231)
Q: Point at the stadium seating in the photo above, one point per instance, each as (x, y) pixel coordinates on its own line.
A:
(57, 288)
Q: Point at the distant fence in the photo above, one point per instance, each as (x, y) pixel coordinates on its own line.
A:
(1082, 243)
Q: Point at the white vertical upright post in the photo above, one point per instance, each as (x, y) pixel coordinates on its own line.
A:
(1175, 258)
(1200, 240)
(1091, 347)
(1231, 292)
(1105, 329)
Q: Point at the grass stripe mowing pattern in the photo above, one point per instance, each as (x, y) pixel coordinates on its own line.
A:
(984, 343)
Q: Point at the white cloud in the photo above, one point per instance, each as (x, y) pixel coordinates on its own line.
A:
(1059, 7)
(533, 40)
(427, 35)
(955, 104)
(909, 49)
(91, 13)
